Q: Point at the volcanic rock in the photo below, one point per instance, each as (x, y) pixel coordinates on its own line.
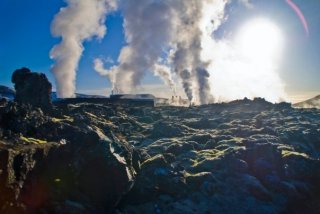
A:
(240, 157)
(32, 88)
(81, 169)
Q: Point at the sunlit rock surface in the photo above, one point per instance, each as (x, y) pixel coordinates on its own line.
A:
(240, 157)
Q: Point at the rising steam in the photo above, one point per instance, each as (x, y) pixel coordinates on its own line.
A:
(99, 67)
(80, 20)
(154, 28)
(148, 31)
(164, 73)
(173, 39)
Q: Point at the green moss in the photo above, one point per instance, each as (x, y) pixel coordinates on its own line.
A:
(286, 153)
(193, 175)
(64, 119)
(56, 120)
(32, 140)
(152, 159)
(208, 155)
(100, 120)
(91, 115)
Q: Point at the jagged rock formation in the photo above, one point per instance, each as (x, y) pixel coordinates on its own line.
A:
(239, 157)
(24, 172)
(52, 164)
(32, 88)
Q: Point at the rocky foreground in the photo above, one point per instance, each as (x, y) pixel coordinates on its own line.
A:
(241, 157)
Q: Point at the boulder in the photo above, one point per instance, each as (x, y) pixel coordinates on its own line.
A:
(21, 119)
(156, 177)
(16, 164)
(164, 129)
(82, 168)
(47, 176)
(194, 181)
(32, 88)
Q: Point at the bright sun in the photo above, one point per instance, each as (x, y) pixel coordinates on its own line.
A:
(248, 65)
(260, 40)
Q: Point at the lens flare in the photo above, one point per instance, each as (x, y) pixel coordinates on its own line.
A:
(300, 14)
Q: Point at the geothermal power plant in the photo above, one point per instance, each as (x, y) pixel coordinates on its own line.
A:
(129, 99)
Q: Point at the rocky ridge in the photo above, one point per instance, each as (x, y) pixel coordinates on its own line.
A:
(257, 156)
(310, 103)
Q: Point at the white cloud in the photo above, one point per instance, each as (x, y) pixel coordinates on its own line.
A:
(246, 3)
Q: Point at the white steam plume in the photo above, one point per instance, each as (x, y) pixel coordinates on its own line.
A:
(154, 27)
(80, 20)
(148, 32)
(99, 67)
(164, 73)
(187, 61)
(167, 37)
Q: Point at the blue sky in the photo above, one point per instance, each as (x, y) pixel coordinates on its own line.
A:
(25, 40)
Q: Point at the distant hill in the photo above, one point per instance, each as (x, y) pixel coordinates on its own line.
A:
(311, 103)
(55, 98)
(9, 93)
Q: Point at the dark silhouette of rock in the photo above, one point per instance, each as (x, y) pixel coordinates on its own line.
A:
(32, 88)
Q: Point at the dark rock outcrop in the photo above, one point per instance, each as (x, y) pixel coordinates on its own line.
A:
(24, 182)
(81, 171)
(32, 88)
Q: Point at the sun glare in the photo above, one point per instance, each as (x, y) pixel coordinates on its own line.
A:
(260, 39)
(248, 65)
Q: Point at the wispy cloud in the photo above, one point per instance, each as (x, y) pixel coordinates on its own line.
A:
(246, 3)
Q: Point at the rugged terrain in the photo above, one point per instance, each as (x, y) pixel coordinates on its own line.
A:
(310, 103)
(240, 157)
